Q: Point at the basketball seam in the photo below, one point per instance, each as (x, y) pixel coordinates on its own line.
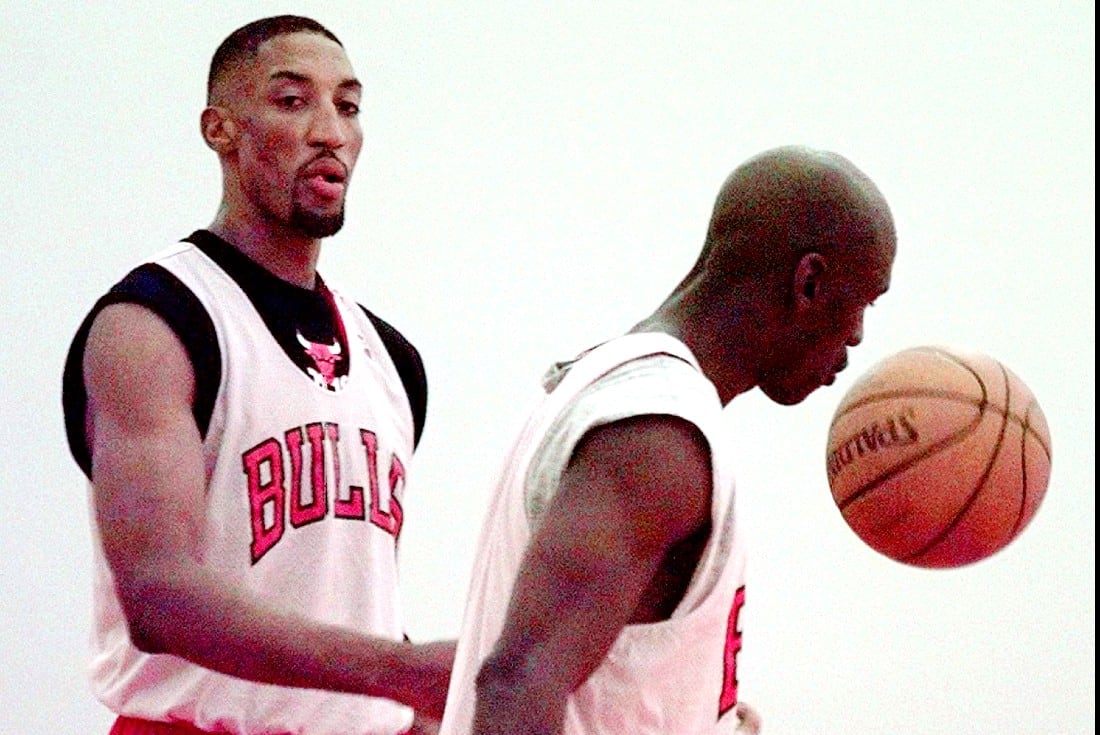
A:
(898, 469)
(945, 395)
(1024, 473)
(938, 446)
(946, 531)
(950, 395)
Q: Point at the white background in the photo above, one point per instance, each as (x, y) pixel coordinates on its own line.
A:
(537, 177)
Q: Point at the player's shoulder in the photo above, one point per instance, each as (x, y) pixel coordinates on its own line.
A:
(640, 345)
(151, 286)
(654, 364)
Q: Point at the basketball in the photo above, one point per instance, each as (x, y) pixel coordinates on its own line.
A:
(938, 458)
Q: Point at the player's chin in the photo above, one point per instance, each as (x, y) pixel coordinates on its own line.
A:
(786, 395)
(318, 222)
(793, 389)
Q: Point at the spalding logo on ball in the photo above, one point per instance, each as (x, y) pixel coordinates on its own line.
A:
(938, 458)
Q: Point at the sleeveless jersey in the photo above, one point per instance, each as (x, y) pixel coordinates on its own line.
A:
(303, 509)
(673, 677)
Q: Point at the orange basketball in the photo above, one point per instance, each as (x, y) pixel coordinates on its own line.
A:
(938, 458)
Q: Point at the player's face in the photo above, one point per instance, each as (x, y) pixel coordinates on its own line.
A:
(299, 135)
(817, 348)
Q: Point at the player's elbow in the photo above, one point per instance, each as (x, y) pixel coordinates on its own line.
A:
(148, 610)
(519, 689)
(145, 628)
(499, 675)
(145, 638)
(503, 674)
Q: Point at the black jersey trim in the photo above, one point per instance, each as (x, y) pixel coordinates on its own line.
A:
(271, 295)
(409, 366)
(154, 287)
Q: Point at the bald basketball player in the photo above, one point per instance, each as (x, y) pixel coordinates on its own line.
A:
(609, 581)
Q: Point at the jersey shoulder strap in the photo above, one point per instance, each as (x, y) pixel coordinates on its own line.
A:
(409, 366)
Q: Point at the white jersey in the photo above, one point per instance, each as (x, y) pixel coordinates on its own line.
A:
(304, 485)
(675, 677)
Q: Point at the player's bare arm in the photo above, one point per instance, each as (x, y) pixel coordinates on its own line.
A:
(633, 491)
(148, 476)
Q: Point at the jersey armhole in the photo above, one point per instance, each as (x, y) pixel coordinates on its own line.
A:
(409, 366)
(650, 384)
(154, 287)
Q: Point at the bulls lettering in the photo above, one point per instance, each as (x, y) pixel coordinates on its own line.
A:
(280, 486)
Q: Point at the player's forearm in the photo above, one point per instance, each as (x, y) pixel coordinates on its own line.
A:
(187, 613)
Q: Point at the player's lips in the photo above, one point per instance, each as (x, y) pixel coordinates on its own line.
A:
(326, 177)
(831, 377)
(327, 166)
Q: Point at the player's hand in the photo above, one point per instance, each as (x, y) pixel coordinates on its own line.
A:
(751, 721)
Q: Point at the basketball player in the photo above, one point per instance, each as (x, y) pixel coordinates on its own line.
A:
(608, 584)
(247, 430)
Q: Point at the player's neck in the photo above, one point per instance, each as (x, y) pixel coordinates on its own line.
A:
(726, 361)
(290, 256)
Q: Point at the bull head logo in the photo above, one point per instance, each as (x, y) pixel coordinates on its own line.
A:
(324, 359)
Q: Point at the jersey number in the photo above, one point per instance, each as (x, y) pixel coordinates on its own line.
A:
(728, 699)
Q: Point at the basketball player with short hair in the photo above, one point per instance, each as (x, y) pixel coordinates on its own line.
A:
(608, 586)
(247, 430)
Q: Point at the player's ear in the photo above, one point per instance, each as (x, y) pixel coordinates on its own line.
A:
(219, 130)
(806, 285)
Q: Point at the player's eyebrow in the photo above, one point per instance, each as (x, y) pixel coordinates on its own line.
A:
(351, 84)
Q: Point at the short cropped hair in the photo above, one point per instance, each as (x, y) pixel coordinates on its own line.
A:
(242, 43)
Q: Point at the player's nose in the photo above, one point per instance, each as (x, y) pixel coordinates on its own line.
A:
(327, 128)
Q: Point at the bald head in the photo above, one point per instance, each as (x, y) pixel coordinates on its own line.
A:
(786, 202)
(800, 243)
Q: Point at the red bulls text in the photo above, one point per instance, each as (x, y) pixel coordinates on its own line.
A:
(298, 479)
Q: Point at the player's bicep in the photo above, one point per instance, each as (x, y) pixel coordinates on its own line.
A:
(631, 490)
(147, 470)
(652, 477)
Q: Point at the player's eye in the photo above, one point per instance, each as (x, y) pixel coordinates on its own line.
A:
(289, 101)
(350, 109)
